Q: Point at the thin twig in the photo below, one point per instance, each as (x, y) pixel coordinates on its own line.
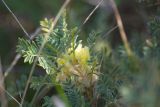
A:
(97, 6)
(42, 46)
(110, 31)
(18, 56)
(31, 37)
(89, 16)
(12, 97)
(37, 31)
(14, 62)
(121, 28)
(15, 17)
(2, 88)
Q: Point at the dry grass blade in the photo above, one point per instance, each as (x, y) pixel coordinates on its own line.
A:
(110, 31)
(37, 31)
(97, 6)
(18, 56)
(15, 17)
(12, 97)
(14, 62)
(121, 28)
(89, 16)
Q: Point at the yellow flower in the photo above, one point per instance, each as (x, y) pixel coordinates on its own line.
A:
(75, 65)
(61, 61)
(64, 63)
(82, 54)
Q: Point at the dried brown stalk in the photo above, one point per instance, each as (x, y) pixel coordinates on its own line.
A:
(121, 28)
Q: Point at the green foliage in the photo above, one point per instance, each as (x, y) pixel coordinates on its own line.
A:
(27, 49)
(57, 43)
(94, 74)
(155, 27)
(74, 96)
(80, 93)
(47, 102)
(38, 82)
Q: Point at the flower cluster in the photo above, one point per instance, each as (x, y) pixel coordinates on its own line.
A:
(74, 65)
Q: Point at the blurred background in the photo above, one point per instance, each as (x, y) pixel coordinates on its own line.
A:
(135, 15)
